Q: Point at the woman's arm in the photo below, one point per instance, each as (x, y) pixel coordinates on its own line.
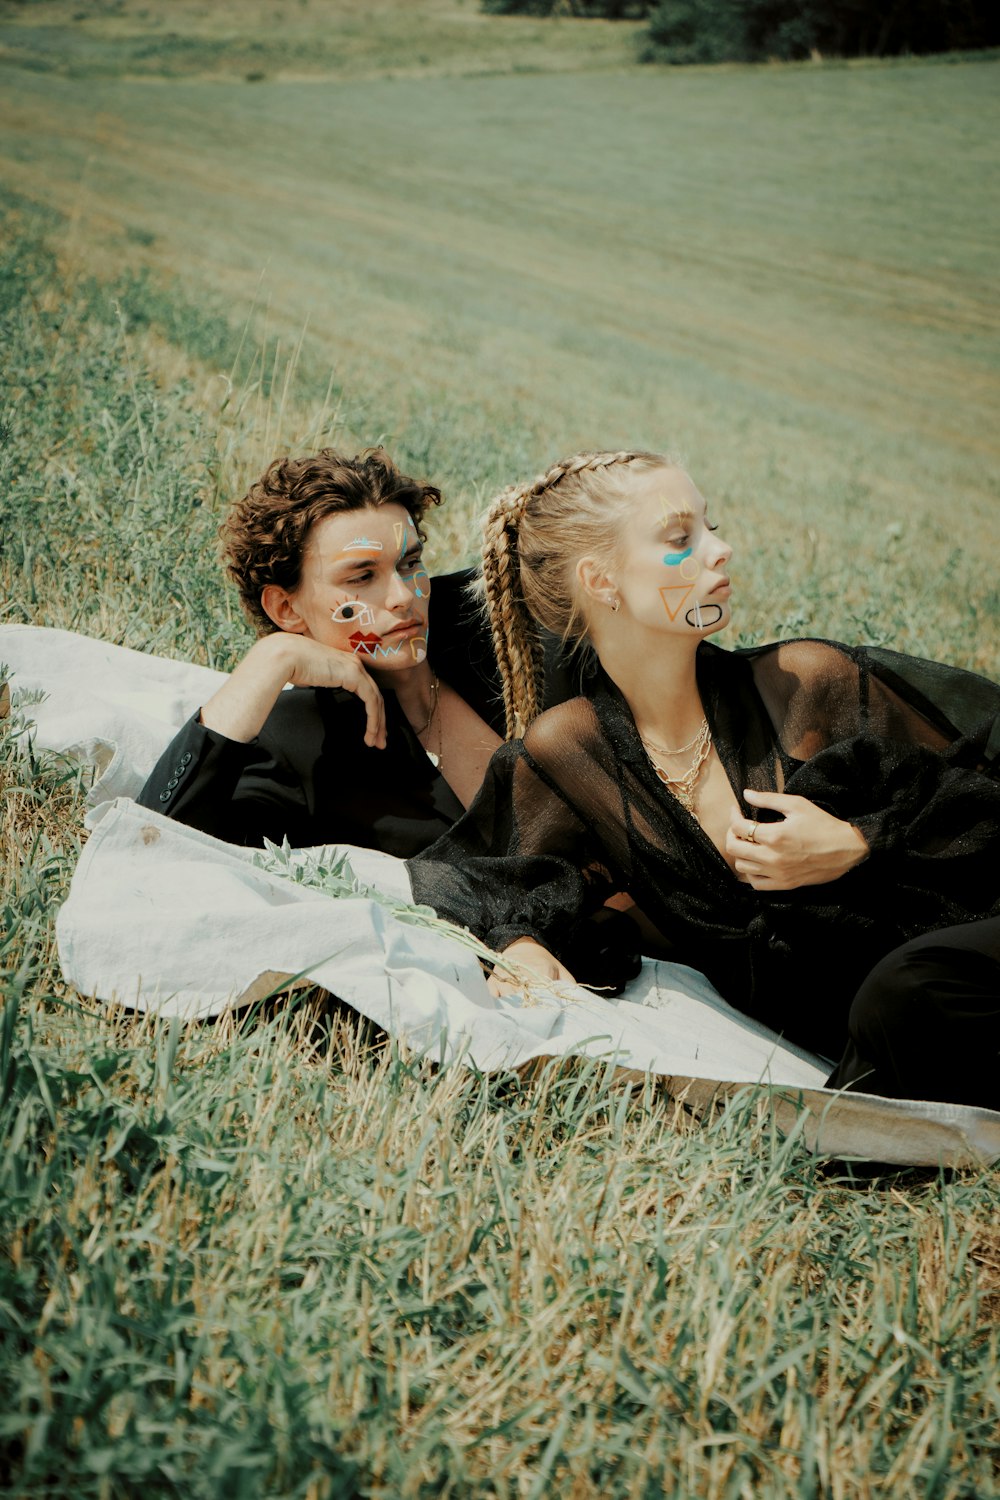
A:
(522, 864)
(929, 819)
(526, 953)
(881, 736)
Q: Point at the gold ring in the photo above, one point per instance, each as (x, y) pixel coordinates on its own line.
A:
(751, 837)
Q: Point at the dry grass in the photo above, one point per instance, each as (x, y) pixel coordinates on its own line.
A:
(279, 1256)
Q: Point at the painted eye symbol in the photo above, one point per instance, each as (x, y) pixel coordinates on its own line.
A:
(352, 610)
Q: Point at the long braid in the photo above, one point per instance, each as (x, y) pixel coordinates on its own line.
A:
(516, 636)
(516, 640)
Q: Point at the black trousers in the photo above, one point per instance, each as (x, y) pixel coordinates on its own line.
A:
(925, 1024)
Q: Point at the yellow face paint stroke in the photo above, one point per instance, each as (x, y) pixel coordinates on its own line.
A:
(670, 513)
(689, 568)
(418, 577)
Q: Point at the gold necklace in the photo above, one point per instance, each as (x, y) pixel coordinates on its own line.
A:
(683, 787)
(436, 759)
(694, 740)
(435, 689)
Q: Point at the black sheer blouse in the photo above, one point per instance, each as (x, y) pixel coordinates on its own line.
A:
(904, 749)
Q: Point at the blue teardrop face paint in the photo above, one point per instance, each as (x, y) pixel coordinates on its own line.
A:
(416, 576)
(672, 559)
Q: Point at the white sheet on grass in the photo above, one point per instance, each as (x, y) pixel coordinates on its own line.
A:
(161, 916)
(105, 706)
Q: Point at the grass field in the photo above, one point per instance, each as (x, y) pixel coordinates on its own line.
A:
(283, 1259)
(787, 275)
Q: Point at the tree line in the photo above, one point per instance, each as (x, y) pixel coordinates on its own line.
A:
(699, 31)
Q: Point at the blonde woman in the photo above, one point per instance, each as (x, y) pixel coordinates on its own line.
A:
(814, 826)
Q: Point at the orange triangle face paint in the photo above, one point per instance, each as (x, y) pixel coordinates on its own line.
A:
(673, 596)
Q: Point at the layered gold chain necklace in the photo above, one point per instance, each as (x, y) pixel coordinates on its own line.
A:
(682, 787)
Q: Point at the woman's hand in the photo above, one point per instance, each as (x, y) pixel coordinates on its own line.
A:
(809, 846)
(525, 953)
(241, 705)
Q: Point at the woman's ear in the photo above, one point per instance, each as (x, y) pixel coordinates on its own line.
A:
(279, 606)
(594, 581)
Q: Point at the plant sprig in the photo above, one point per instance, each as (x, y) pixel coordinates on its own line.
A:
(328, 868)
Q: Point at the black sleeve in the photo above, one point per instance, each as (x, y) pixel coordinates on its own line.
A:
(960, 705)
(931, 820)
(234, 791)
(903, 749)
(517, 864)
(819, 693)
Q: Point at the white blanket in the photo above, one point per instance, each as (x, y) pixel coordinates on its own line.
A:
(161, 916)
(107, 706)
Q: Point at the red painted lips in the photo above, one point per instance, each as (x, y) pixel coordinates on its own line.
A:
(366, 644)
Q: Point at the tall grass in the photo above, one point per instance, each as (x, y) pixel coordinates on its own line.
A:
(277, 1255)
(786, 275)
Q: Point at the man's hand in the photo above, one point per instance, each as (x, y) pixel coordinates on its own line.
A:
(530, 956)
(316, 665)
(241, 705)
(808, 847)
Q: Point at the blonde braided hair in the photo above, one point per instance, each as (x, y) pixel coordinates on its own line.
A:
(533, 536)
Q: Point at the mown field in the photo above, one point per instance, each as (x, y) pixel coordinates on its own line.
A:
(282, 1257)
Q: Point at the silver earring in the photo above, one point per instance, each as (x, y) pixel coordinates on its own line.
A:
(614, 604)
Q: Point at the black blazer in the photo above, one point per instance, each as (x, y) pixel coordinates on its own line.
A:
(309, 777)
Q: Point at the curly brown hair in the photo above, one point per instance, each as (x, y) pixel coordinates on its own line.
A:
(265, 534)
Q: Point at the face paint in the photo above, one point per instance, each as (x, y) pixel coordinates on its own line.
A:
(421, 582)
(351, 592)
(365, 645)
(670, 567)
(372, 645)
(704, 614)
(673, 596)
(669, 514)
(352, 609)
(417, 577)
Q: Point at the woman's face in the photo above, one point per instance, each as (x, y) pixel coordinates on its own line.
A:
(363, 587)
(672, 575)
